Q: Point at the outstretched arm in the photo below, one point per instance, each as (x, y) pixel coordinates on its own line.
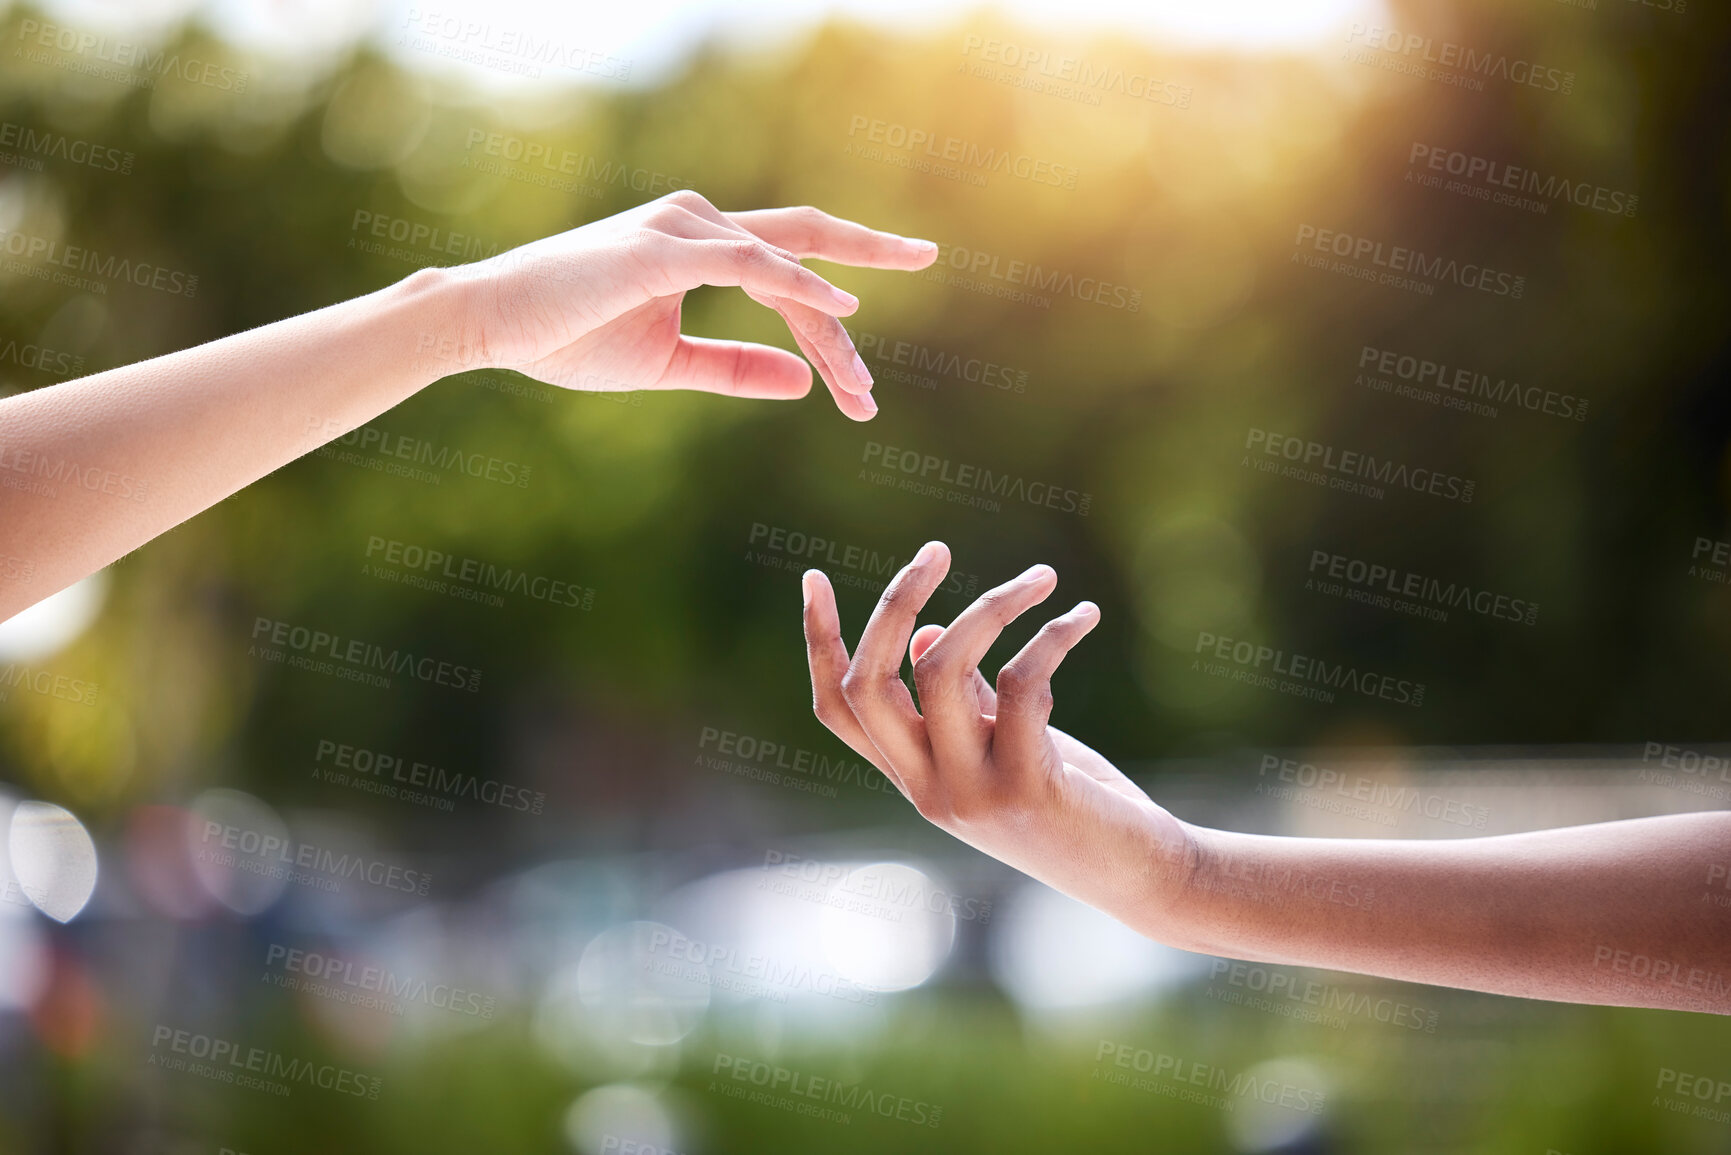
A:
(1634, 913)
(93, 468)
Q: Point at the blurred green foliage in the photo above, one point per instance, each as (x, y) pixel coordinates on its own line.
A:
(651, 502)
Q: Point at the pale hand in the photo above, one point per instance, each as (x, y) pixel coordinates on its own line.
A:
(598, 307)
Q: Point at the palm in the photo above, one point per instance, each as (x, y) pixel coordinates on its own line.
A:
(632, 351)
(1062, 747)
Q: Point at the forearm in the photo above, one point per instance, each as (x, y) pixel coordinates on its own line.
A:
(93, 468)
(1634, 913)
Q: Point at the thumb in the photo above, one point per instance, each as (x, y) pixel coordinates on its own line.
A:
(923, 639)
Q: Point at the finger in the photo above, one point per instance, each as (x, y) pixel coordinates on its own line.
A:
(983, 692)
(873, 685)
(1025, 688)
(826, 654)
(922, 640)
(945, 674)
(736, 369)
(828, 335)
(859, 407)
(810, 232)
(837, 362)
(696, 219)
(751, 265)
(846, 380)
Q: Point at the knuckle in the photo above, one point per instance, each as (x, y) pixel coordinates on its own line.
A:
(850, 685)
(1022, 689)
(1056, 631)
(895, 596)
(829, 710)
(861, 687)
(934, 804)
(686, 198)
(753, 254)
(929, 673)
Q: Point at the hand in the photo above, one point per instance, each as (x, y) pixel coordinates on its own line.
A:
(597, 307)
(981, 761)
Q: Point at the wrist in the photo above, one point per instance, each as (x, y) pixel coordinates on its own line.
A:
(440, 305)
(1177, 859)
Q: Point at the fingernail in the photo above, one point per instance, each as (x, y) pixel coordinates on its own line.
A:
(860, 372)
(847, 300)
(922, 246)
(865, 400)
(927, 553)
(805, 580)
(1035, 573)
(1083, 609)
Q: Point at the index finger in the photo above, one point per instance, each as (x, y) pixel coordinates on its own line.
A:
(810, 232)
(873, 686)
(826, 654)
